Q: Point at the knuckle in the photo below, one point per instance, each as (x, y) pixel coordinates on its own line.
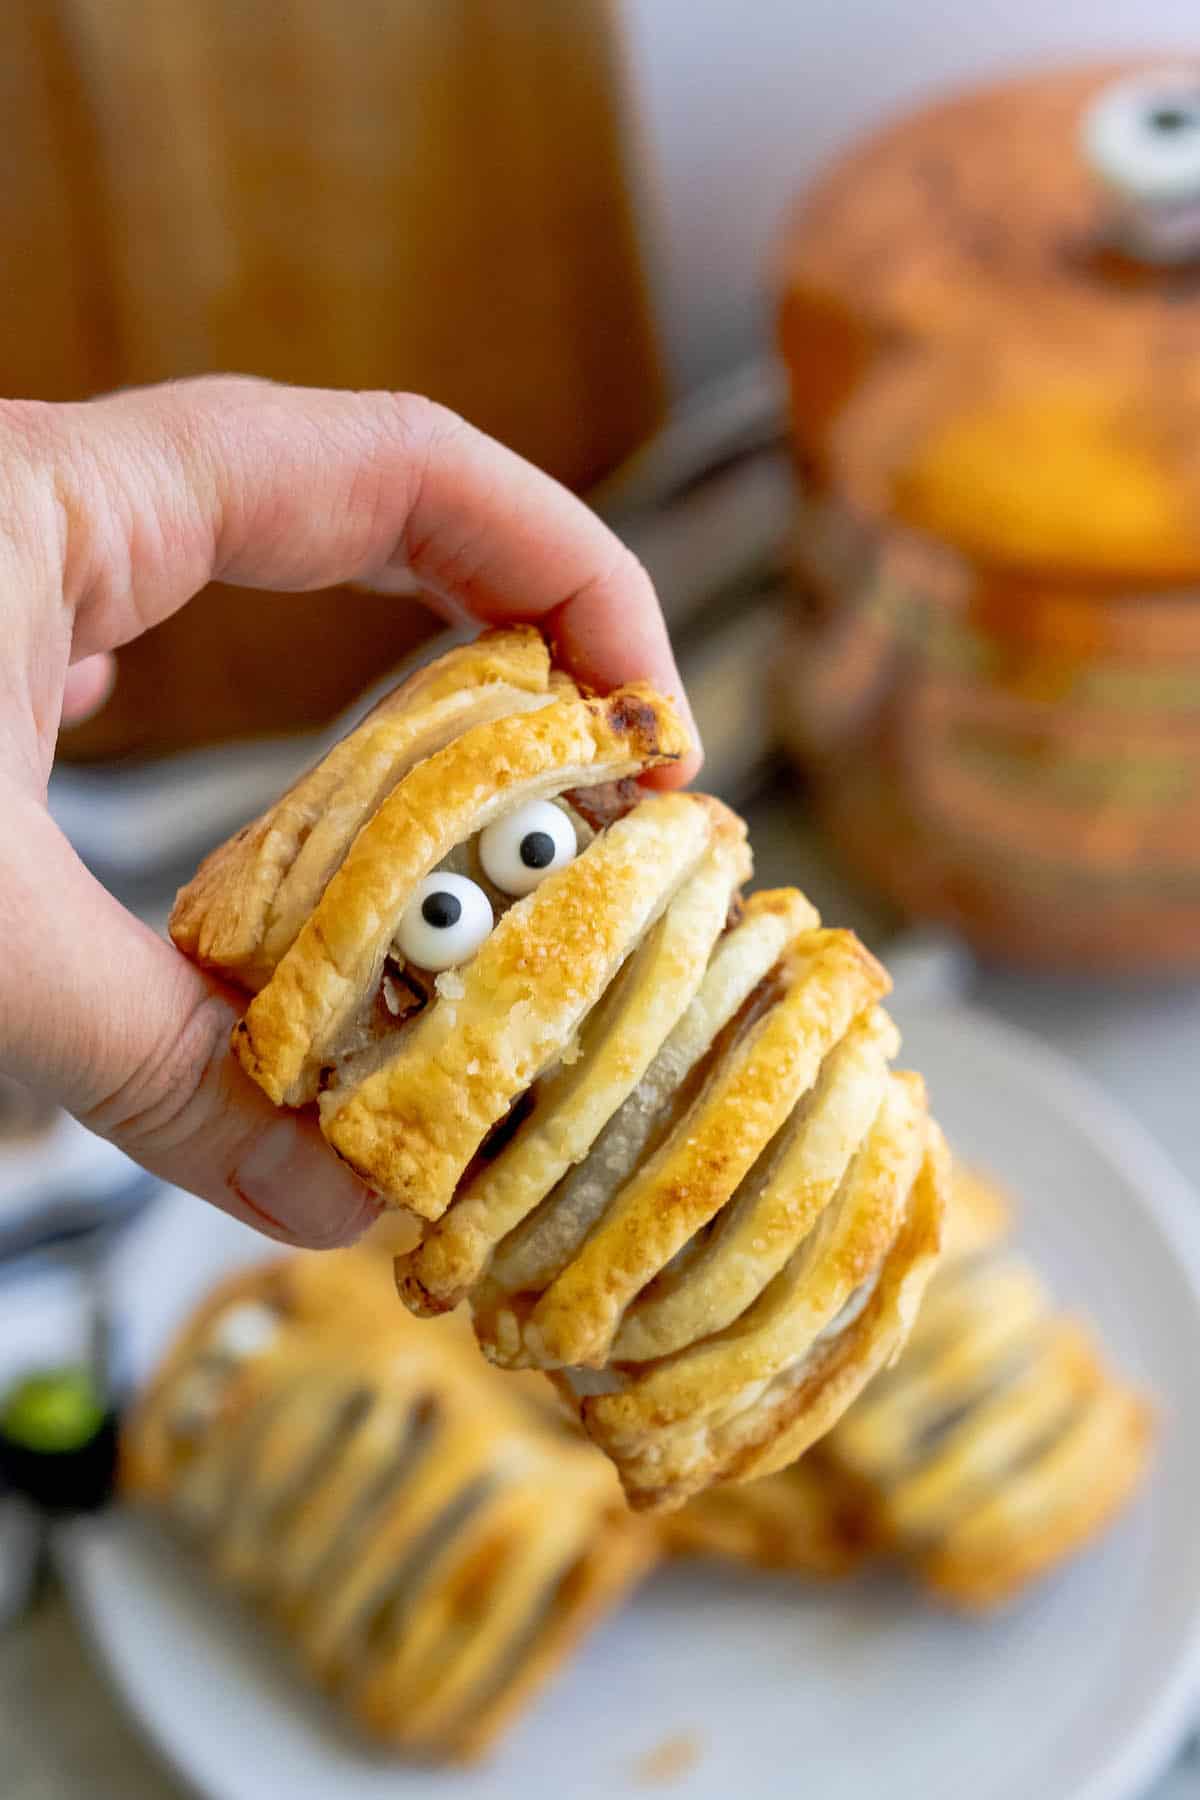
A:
(160, 1103)
(30, 426)
(622, 575)
(416, 432)
(630, 571)
(421, 424)
(220, 389)
(35, 455)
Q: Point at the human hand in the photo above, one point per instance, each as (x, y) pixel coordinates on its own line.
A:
(116, 513)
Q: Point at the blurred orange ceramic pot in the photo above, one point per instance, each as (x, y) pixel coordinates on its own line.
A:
(990, 317)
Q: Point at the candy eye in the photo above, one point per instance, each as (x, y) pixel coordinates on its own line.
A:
(519, 851)
(1143, 138)
(445, 922)
(244, 1330)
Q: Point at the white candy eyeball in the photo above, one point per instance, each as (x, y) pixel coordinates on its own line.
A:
(521, 849)
(1142, 135)
(244, 1330)
(445, 922)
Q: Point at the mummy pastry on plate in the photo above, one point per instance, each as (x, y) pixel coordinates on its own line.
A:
(996, 1449)
(1000, 1444)
(651, 1132)
(812, 1518)
(432, 1547)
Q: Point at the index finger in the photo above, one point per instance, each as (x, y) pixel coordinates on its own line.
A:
(290, 488)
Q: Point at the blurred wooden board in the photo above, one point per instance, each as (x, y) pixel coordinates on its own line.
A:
(425, 194)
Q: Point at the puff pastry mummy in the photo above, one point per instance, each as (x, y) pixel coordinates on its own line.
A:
(1001, 1444)
(811, 1519)
(853, 1497)
(652, 1134)
(432, 1548)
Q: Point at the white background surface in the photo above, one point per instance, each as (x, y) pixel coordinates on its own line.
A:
(739, 104)
(1077, 1695)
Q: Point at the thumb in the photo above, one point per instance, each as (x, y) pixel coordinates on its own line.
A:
(110, 1020)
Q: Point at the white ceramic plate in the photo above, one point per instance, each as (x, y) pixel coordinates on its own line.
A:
(749, 1685)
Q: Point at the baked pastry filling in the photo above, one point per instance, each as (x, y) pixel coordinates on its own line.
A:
(408, 1440)
(386, 1614)
(532, 1255)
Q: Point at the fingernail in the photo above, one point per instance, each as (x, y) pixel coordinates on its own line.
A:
(293, 1181)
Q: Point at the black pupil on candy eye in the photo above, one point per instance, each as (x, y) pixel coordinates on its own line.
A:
(441, 910)
(1169, 119)
(537, 850)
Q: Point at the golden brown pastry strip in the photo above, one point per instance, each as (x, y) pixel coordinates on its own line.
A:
(298, 1021)
(754, 1397)
(413, 1125)
(535, 1253)
(1049, 1509)
(782, 1200)
(245, 906)
(824, 982)
(813, 1518)
(616, 1045)
(1000, 1444)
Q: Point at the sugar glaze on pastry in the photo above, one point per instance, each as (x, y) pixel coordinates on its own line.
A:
(651, 1129)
